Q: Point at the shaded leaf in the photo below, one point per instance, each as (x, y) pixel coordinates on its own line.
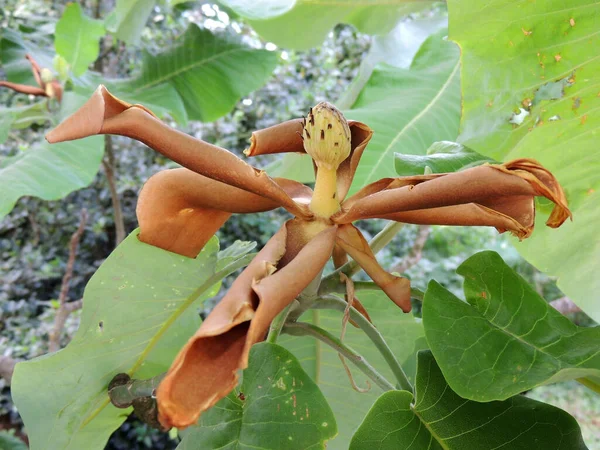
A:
(22, 117)
(440, 419)
(513, 59)
(49, 172)
(139, 309)
(13, 48)
(10, 442)
(77, 38)
(402, 333)
(302, 25)
(408, 109)
(506, 339)
(441, 157)
(277, 405)
(210, 74)
(128, 19)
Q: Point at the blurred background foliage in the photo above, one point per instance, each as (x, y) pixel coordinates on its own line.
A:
(34, 237)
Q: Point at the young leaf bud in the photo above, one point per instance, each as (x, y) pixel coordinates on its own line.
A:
(46, 75)
(326, 136)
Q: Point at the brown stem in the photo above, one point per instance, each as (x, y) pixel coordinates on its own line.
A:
(7, 367)
(109, 170)
(64, 308)
(415, 253)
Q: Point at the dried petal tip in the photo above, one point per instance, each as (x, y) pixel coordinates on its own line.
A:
(326, 136)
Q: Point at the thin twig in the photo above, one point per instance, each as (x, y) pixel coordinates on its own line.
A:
(64, 308)
(109, 170)
(307, 329)
(415, 253)
(7, 367)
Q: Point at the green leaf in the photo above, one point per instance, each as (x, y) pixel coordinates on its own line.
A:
(409, 109)
(209, 73)
(402, 333)
(277, 405)
(301, 25)
(506, 339)
(11, 442)
(49, 172)
(77, 38)
(139, 310)
(440, 419)
(13, 48)
(515, 58)
(441, 157)
(20, 117)
(128, 19)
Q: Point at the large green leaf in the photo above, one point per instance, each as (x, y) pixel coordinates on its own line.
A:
(49, 171)
(139, 310)
(440, 419)
(409, 109)
(277, 406)
(128, 19)
(209, 73)
(77, 38)
(506, 339)
(403, 334)
(441, 157)
(22, 117)
(544, 65)
(303, 24)
(13, 48)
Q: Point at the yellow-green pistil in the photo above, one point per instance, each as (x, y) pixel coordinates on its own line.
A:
(326, 138)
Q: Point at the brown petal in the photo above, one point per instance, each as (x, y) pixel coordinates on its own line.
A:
(36, 69)
(179, 210)
(285, 137)
(361, 135)
(24, 88)
(105, 114)
(492, 186)
(206, 369)
(353, 242)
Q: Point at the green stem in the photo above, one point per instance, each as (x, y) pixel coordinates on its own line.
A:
(307, 329)
(278, 323)
(333, 302)
(123, 390)
(589, 384)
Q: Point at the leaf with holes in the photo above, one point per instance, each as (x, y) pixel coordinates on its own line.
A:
(301, 25)
(441, 157)
(408, 109)
(140, 308)
(440, 419)
(506, 339)
(277, 405)
(530, 83)
(208, 72)
(403, 333)
(77, 38)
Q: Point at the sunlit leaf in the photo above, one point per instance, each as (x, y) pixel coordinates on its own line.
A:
(403, 334)
(517, 58)
(277, 405)
(439, 419)
(77, 38)
(301, 25)
(128, 19)
(139, 310)
(506, 339)
(441, 157)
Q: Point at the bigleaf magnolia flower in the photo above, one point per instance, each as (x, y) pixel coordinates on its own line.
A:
(180, 209)
(47, 85)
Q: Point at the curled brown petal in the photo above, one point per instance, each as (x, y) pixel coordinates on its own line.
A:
(353, 242)
(36, 70)
(24, 88)
(105, 114)
(179, 210)
(360, 136)
(206, 369)
(486, 185)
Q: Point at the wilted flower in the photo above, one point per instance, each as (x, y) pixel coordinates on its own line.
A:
(48, 86)
(180, 209)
